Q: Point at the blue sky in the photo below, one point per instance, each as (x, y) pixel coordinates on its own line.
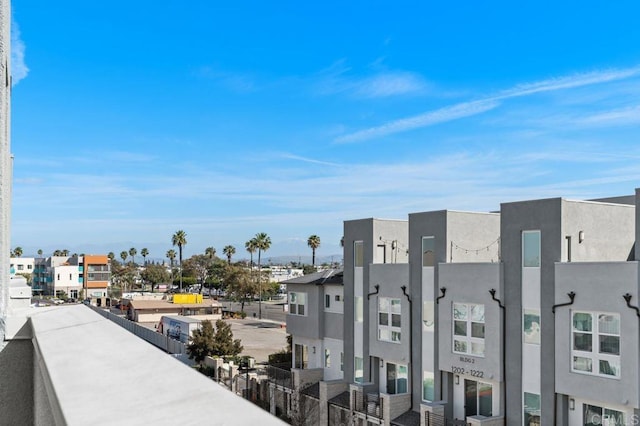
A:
(132, 120)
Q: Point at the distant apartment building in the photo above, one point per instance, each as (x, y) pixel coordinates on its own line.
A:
(526, 316)
(87, 275)
(22, 265)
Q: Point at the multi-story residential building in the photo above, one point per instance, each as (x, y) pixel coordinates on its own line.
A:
(524, 316)
(87, 275)
(22, 265)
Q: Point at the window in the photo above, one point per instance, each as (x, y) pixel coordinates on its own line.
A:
(397, 378)
(70, 276)
(531, 408)
(389, 320)
(531, 249)
(594, 415)
(297, 303)
(20, 267)
(300, 356)
(341, 361)
(531, 326)
(29, 266)
(73, 294)
(428, 315)
(327, 300)
(358, 370)
(428, 251)
(468, 329)
(428, 386)
(596, 343)
(327, 358)
(358, 254)
(359, 308)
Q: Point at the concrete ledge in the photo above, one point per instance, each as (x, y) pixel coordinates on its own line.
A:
(97, 373)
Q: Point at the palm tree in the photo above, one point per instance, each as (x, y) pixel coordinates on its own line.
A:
(314, 243)
(171, 255)
(40, 252)
(132, 253)
(64, 252)
(342, 241)
(263, 242)
(17, 252)
(144, 253)
(210, 251)
(111, 256)
(229, 251)
(179, 239)
(251, 247)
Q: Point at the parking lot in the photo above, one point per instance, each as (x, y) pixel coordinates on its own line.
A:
(259, 338)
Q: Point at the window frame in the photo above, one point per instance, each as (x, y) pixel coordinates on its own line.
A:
(536, 264)
(595, 356)
(294, 303)
(392, 333)
(468, 339)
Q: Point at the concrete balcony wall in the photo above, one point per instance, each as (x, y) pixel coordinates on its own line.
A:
(85, 365)
(394, 405)
(485, 421)
(329, 390)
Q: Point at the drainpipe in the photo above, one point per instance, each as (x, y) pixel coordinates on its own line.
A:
(404, 291)
(504, 349)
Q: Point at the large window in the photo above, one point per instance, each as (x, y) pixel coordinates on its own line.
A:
(358, 370)
(596, 343)
(389, 320)
(531, 249)
(297, 303)
(531, 408)
(598, 416)
(478, 398)
(428, 386)
(531, 326)
(468, 329)
(428, 251)
(397, 378)
(358, 254)
(327, 358)
(359, 309)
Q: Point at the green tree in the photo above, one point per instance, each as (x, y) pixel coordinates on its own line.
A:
(123, 256)
(308, 269)
(210, 251)
(314, 243)
(198, 266)
(111, 256)
(40, 252)
(179, 239)
(224, 343)
(155, 274)
(263, 243)
(144, 253)
(17, 252)
(229, 251)
(239, 285)
(208, 341)
(251, 247)
(171, 255)
(122, 275)
(132, 253)
(64, 252)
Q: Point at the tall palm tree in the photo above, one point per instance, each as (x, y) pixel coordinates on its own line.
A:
(144, 253)
(111, 256)
(210, 251)
(263, 242)
(123, 256)
(40, 252)
(64, 252)
(17, 252)
(132, 253)
(251, 247)
(171, 255)
(179, 239)
(314, 243)
(229, 251)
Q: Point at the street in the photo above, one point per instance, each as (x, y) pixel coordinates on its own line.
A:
(271, 310)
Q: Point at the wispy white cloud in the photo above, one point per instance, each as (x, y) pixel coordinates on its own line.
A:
(466, 109)
(622, 116)
(430, 118)
(310, 160)
(236, 82)
(338, 79)
(19, 69)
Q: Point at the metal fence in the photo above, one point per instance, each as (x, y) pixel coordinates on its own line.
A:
(368, 403)
(159, 340)
(280, 376)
